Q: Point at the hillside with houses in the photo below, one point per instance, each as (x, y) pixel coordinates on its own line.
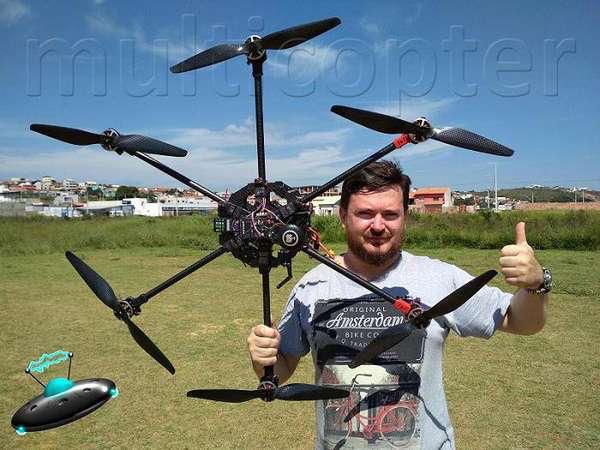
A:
(71, 198)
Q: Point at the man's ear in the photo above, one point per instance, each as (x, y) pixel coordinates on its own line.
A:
(343, 213)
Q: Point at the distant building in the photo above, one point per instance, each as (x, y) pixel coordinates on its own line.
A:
(10, 196)
(326, 205)
(331, 192)
(25, 187)
(105, 208)
(53, 211)
(108, 191)
(431, 199)
(141, 207)
(177, 206)
(48, 183)
(69, 183)
(17, 180)
(65, 198)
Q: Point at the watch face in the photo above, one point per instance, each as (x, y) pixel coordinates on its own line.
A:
(547, 279)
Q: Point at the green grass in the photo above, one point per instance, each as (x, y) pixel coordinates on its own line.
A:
(39, 235)
(567, 230)
(541, 391)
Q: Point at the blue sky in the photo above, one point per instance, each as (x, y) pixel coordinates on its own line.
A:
(529, 78)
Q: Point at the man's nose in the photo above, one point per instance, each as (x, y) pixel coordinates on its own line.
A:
(378, 225)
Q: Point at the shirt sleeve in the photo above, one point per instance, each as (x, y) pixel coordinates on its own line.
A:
(293, 338)
(483, 313)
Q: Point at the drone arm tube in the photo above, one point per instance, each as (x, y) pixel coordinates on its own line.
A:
(179, 177)
(143, 298)
(398, 303)
(258, 105)
(269, 372)
(398, 142)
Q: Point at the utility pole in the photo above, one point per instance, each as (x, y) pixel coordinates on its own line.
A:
(495, 187)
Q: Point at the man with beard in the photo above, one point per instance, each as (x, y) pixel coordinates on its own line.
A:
(403, 403)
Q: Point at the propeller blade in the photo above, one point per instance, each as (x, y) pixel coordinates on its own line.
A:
(290, 37)
(378, 122)
(340, 444)
(386, 340)
(149, 347)
(457, 298)
(209, 57)
(105, 293)
(70, 135)
(301, 391)
(469, 140)
(134, 142)
(97, 284)
(226, 395)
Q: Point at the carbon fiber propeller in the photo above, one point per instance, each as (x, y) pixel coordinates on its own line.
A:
(279, 40)
(393, 335)
(421, 131)
(105, 293)
(289, 392)
(110, 140)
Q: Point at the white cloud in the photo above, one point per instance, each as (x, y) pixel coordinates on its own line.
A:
(217, 158)
(311, 165)
(371, 28)
(232, 136)
(243, 135)
(213, 169)
(104, 24)
(411, 108)
(427, 148)
(80, 163)
(305, 62)
(11, 11)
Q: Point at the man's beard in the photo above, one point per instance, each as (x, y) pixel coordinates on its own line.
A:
(377, 258)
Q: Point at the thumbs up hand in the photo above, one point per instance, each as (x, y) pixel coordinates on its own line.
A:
(518, 263)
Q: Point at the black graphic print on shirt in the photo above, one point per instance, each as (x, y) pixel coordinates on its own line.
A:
(382, 409)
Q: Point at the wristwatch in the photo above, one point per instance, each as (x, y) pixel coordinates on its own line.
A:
(546, 285)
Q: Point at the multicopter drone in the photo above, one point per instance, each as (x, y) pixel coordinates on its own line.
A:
(265, 215)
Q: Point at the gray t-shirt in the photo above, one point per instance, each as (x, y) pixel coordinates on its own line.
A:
(399, 401)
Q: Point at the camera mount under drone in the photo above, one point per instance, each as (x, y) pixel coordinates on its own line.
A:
(263, 216)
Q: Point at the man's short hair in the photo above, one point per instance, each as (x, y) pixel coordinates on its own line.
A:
(376, 176)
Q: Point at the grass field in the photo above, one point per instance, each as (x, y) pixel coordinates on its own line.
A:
(510, 392)
(37, 235)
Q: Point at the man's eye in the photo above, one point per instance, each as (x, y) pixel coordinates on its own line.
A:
(364, 215)
(391, 216)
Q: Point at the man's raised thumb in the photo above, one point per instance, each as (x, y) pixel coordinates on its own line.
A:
(520, 237)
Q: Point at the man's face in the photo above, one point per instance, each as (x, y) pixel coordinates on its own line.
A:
(374, 224)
